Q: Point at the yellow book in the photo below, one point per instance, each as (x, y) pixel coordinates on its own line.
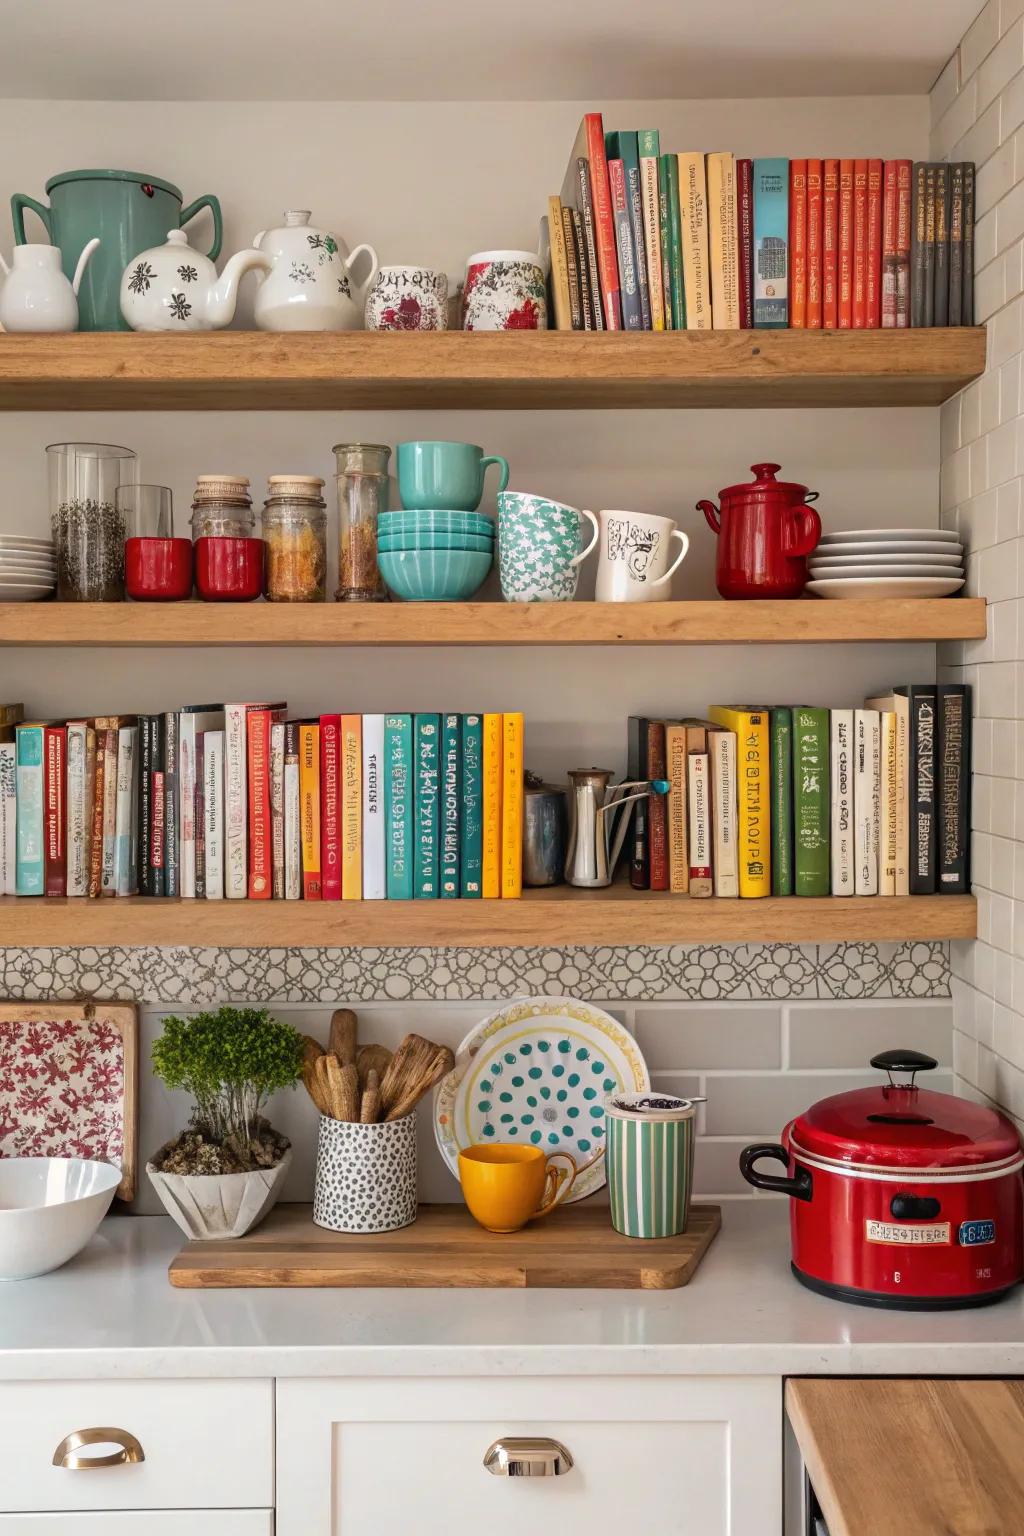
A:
(309, 810)
(895, 775)
(723, 243)
(559, 266)
(753, 777)
(693, 220)
(491, 871)
(676, 773)
(512, 805)
(351, 807)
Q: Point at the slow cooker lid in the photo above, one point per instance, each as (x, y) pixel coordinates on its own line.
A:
(897, 1124)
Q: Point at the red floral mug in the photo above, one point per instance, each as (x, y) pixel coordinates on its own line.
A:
(505, 291)
(408, 299)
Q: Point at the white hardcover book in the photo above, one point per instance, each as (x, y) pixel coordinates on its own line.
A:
(374, 867)
(124, 826)
(292, 833)
(841, 780)
(79, 811)
(8, 819)
(898, 786)
(213, 812)
(699, 803)
(866, 790)
(277, 808)
(191, 722)
(108, 868)
(236, 810)
(724, 812)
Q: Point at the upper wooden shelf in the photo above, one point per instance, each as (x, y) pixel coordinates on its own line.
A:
(253, 370)
(383, 624)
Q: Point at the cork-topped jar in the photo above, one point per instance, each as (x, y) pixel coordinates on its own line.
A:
(295, 536)
(222, 508)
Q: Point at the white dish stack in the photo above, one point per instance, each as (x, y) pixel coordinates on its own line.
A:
(28, 569)
(887, 562)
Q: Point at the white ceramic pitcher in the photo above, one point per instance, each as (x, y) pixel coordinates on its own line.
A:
(36, 296)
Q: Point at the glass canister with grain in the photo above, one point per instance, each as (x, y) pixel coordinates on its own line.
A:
(295, 536)
(363, 493)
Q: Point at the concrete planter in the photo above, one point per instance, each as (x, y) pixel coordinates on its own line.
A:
(216, 1205)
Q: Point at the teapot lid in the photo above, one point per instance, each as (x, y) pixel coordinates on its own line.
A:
(177, 237)
(765, 484)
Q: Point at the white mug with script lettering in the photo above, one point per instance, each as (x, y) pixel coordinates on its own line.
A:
(633, 557)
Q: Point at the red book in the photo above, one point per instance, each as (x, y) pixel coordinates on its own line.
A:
(657, 808)
(903, 223)
(845, 244)
(860, 245)
(830, 245)
(873, 274)
(330, 807)
(55, 862)
(814, 267)
(798, 243)
(890, 253)
(261, 873)
(745, 219)
(604, 224)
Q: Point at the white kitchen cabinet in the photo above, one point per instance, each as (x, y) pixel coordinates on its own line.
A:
(161, 1522)
(695, 1457)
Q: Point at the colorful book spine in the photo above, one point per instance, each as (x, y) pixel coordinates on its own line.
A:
(699, 802)
(930, 243)
(649, 150)
(96, 830)
(693, 217)
(810, 802)
(745, 240)
(637, 739)
(780, 725)
(589, 244)
(940, 236)
(145, 805)
(188, 832)
(309, 810)
(656, 767)
(55, 863)
(953, 707)
(427, 782)
(375, 877)
(29, 776)
(580, 321)
(156, 852)
(904, 221)
(471, 826)
(753, 772)
(261, 863)
(399, 803)
(677, 775)
(897, 783)
(771, 244)
(888, 803)
(724, 812)
(76, 842)
(512, 805)
(967, 300)
(330, 807)
(873, 272)
(830, 244)
(236, 784)
(675, 243)
(866, 790)
(213, 814)
(199, 815)
(9, 819)
(921, 808)
(352, 807)
(625, 147)
(814, 229)
(451, 803)
(890, 244)
(629, 284)
(918, 243)
(292, 814)
(125, 868)
(956, 243)
(492, 807)
(172, 851)
(723, 242)
(277, 808)
(604, 224)
(583, 272)
(860, 244)
(559, 266)
(665, 238)
(157, 807)
(108, 855)
(798, 243)
(846, 240)
(841, 831)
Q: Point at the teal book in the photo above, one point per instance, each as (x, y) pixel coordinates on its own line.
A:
(398, 806)
(29, 876)
(675, 243)
(771, 244)
(780, 735)
(427, 789)
(471, 823)
(451, 803)
(812, 803)
(624, 147)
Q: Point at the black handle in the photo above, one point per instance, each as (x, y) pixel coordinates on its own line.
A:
(914, 1207)
(903, 1061)
(799, 1186)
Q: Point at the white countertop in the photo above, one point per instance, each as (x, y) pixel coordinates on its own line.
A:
(112, 1312)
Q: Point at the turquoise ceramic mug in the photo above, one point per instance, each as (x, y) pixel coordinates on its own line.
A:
(445, 476)
(540, 548)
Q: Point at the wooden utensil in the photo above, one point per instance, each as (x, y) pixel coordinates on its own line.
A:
(421, 1077)
(409, 1061)
(369, 1109)
(344, 1088)
(341, 1040)
(371, 1058)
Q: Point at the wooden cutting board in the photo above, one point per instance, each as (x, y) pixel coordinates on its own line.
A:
(445, 1247)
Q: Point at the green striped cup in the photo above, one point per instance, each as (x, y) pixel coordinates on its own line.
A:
(649, 1157)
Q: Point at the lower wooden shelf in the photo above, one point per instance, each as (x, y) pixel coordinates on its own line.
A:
(561, 916)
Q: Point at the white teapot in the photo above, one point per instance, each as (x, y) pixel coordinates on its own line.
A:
(36, 296)
(309, 287)
(175, 288)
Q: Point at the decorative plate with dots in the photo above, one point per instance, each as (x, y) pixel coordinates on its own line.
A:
(537, 1073)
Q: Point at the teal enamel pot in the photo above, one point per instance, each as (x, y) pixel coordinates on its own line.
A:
(128, 211)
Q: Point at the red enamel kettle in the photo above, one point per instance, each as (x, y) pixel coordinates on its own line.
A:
(765, 533)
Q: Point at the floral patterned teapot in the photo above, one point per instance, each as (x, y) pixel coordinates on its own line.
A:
(309, 286)
(175, 288)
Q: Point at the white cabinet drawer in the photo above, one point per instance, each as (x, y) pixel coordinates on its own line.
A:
(676, 1457)
(189, 1522)
(207, 1445)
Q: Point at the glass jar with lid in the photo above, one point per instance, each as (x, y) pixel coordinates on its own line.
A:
(363, 490)
(222, 508)
(295, 537)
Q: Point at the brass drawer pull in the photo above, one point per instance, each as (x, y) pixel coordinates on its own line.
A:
(131, 1451)
(523, 1457)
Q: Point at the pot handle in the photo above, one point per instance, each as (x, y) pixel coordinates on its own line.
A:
(801, 530)
(799, 1186)
(213, 203)
(19, 202)
(712, 514)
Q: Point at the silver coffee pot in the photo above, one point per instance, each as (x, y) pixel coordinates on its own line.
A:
(598, 822)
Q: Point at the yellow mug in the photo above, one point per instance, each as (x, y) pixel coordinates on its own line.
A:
(505, 1186)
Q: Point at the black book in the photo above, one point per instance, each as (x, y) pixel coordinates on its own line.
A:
(956, 243)
(921, 790)
(585, 204)
(172, 883)
(636, 768)
(918, 243)
(145, 805)
(583, 271)
(929, 245)
(967, 300)
(953, 788)
(941, 237)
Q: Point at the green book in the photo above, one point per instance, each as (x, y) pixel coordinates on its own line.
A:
(398, 806)
(427, 785)
(665, 237)
(675, 243)
(471, 826)
(812, 807)
(451, 804)
(781, 739)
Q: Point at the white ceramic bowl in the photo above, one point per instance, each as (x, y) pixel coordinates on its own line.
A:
(49, 1209)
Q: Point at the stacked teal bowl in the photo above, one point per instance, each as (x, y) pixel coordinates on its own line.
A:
(435, 557)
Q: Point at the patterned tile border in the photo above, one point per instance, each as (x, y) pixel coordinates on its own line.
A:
(741, 973)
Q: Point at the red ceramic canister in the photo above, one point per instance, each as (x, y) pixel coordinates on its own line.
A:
(229, 570)
(765, 531)
(158, 570)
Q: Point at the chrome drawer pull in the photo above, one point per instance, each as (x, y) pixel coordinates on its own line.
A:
(523, 1457)
(131, 1451)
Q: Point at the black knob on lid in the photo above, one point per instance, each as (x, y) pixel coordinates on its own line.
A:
(903, 1061)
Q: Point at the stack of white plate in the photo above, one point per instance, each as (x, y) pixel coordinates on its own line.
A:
(28, 569)
(887, 562)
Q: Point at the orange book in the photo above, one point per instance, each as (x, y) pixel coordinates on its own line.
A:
(309, 810)
(351, 807)
(845, 244)
(830, 245)
(492, 777)
(814, 273)
(798, 243)
(512, 805)
(873, 273)
(860, 245)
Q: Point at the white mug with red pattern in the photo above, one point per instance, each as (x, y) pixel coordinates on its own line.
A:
(408, 299)
(505, 291)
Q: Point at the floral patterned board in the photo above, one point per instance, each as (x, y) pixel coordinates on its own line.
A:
(538, 1073)
(67, 1083)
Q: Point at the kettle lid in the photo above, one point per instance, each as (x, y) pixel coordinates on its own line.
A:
(765, 486)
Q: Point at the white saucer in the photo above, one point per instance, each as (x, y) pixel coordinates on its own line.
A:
(885, 573)
(891, 547)
(888, 534)
(886, 586)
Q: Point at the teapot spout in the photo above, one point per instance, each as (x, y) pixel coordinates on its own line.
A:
(223, 296)
(83, 262)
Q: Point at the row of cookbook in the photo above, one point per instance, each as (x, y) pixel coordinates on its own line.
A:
(642, 240)
(235, 801)
(799, 801)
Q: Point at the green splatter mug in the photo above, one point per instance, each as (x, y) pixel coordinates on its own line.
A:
(649, 1159)
(540, 548)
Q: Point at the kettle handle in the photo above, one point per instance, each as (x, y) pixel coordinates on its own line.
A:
(712, 514)
(364, 287)
(801, 530)
(19, 202)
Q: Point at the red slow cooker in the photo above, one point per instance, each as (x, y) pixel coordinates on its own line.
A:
(901, 1197)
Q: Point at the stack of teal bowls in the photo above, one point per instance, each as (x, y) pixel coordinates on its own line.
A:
(434, 557)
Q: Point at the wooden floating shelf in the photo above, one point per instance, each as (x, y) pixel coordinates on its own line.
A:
(562, 916)
(549, 370)
(487, 624)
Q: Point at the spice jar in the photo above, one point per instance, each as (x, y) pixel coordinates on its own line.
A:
(222, 508)
(295, 536)
(88, 527)
(363, 486)
(229, 553)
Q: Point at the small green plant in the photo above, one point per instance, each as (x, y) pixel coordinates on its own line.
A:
(230, 1062)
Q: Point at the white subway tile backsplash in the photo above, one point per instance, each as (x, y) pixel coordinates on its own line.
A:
(995, 177)
(823, 1037)
(964, 109)
(944, 90)
(979, 39)
(767, 1101)
(995, 71)
(688, 1037)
